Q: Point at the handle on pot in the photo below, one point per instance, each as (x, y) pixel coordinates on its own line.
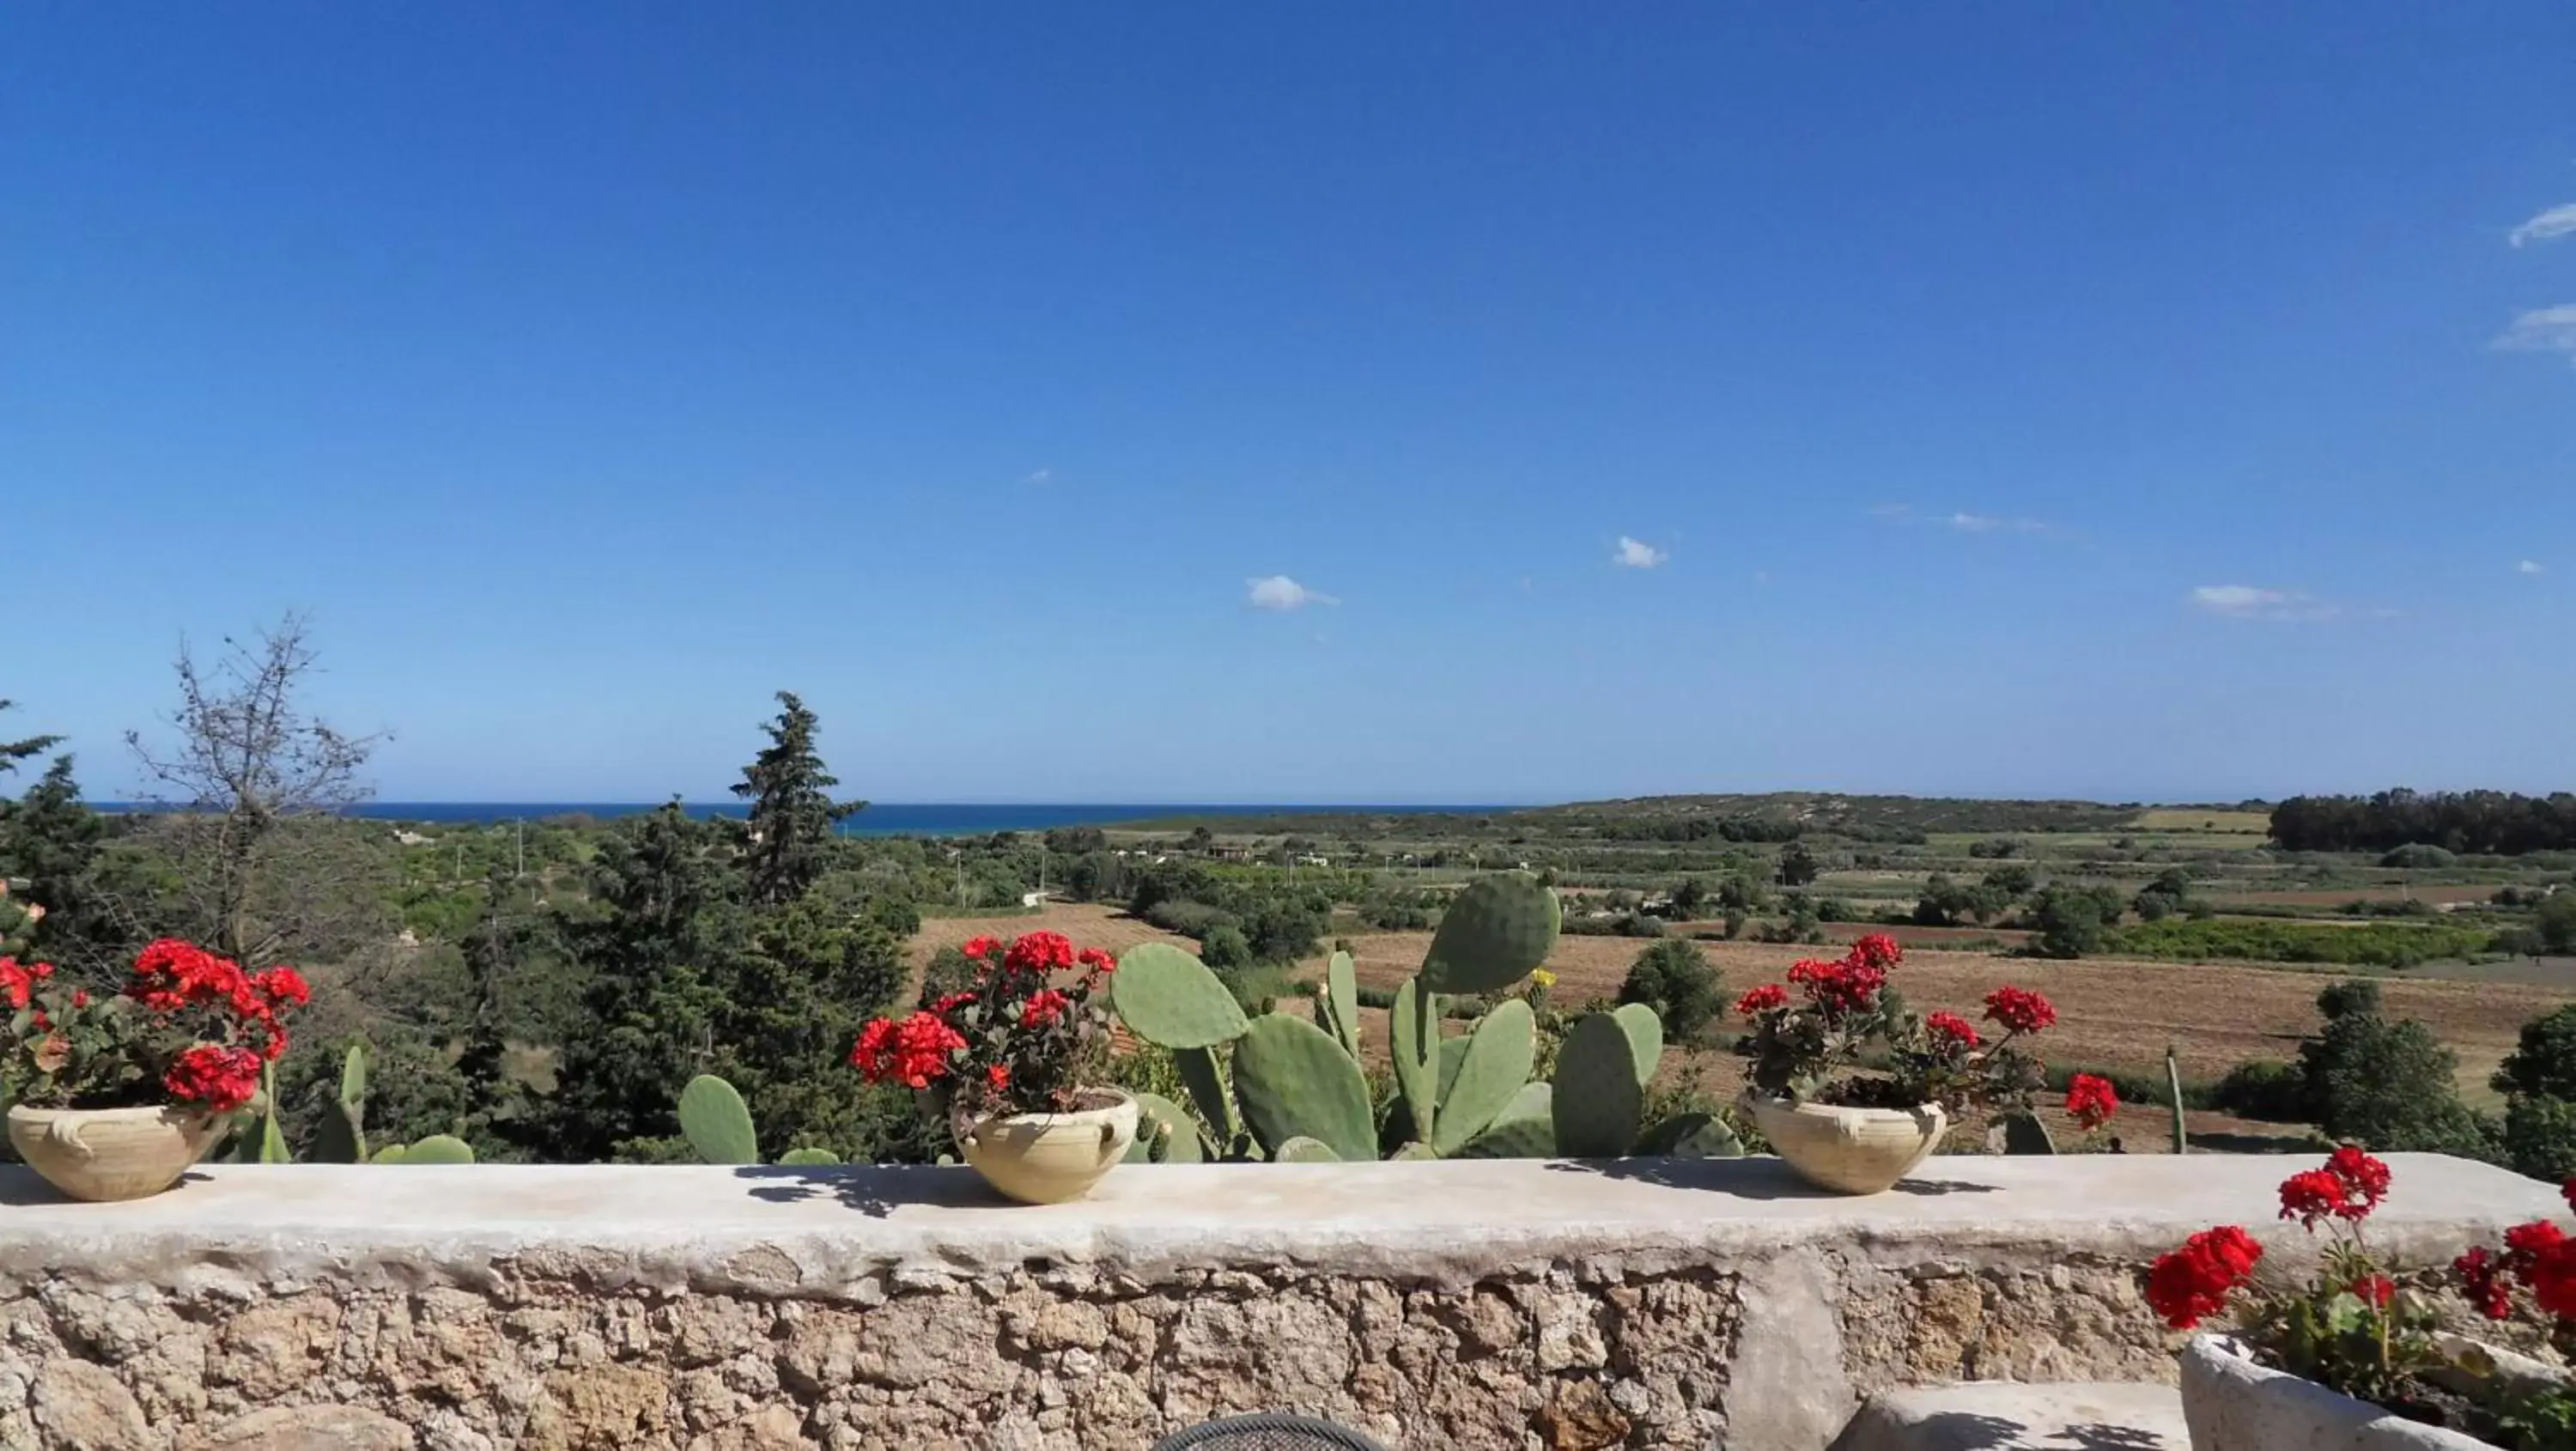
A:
(64, 1134)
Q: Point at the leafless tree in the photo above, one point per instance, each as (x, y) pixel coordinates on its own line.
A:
(254, 786)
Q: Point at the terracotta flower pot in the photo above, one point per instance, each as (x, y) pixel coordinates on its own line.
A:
(1048, 1158)
(2233, 1403)
(103, 1154)
(1848, 1150)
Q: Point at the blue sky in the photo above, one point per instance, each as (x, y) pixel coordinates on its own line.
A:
(1319, 402)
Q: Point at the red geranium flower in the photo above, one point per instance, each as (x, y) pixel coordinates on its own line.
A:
(2375, 1290)
(2091, 1101)
(2193, 1282)
(998, 1076)
(2482, 1283)
(1953, 1027)
(1762, 1000)
(2365, 1181)
(1040, 952)
(2019, 1009)
(911, 1052)
(2312, 1196)
(1045, 1006)
(980, 948)
(223, 1079)
(1877, 951)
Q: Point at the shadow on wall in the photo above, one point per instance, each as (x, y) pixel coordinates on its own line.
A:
(873, 1191)
(1961, 1431)
(1752, 1178)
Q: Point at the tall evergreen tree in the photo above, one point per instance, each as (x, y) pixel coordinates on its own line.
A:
(49, 839)
(12, 752)
(660, 960)
(786, 839)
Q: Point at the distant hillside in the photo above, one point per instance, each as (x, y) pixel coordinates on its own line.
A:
(1830, 812)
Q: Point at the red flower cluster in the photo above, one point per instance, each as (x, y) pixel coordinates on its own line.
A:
(1762, 1000)
(1039, 952)
(223, 1079)
(2193, 1282)
(2350, 1186)
(171, 976)
(1011, 1043)
(1876, 950)
(2537, 1255)
(1850, 985)
(2019, 1009)
(2375, 1290)
(18, 984)
(1952, 1027)
(2091, 1101)
(911, 1052)
(1044, 1007)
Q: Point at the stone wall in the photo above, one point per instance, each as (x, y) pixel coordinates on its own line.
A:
(1433, 1305)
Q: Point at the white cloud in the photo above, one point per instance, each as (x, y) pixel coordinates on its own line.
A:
(2529, 566)
(1988, 524)
(1279, 592)
(1636, 554)
(2549, 330)
(2548, 226)
(2253, 602)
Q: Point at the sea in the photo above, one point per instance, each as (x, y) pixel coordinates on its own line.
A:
(885, 818)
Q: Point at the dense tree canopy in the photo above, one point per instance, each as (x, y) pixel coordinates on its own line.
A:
(2464, 821)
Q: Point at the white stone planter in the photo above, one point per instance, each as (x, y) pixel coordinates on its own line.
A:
(1048, 1158)
(1848, 1150)
(2233, 1404)
(104, 1154)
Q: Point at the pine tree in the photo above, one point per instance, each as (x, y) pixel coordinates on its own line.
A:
(659, 961)
(51, 841)
(12, 752)
(792, 811)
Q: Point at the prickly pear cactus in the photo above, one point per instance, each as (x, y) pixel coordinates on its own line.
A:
(1691, 1136)
(1293, 1081)
(1165, 1133)
(342, 1138)
(436, 1149)
(1496, 930)
(809, 1156)
(1645, 1038)
(1599, 1097)
(1413, 1032)
(1169, 998)
(1525, 1129)
(1492, 1069)
(717, 1123)
(1303, 1150)
(1341, 999)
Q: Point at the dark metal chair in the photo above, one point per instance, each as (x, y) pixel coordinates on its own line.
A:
(1268, 1431)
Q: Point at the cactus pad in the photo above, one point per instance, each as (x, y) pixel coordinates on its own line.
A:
(1645, 1037)
(437, 1149)
(1303, 1150)
(1691, 1136)
(1165, 1133)
(1413, 1030)
(1293, 1081)
(1598, 1097)
(1341, 997)
(1491, 1071)
(716, 1122)
(1167, 997)
(804, 1157)
(1525, 1129)
(1492, 935)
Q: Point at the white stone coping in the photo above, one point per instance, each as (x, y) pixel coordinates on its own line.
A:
(850, 1232)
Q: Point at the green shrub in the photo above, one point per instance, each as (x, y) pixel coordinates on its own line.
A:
(1188, 918)
(2266, 1089)
(2390, 1086)
(1224, 948)
(2381, 944)
(1676, 981)
(2419, 855)
(2540, 1138)
(2544, 1063)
